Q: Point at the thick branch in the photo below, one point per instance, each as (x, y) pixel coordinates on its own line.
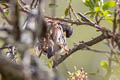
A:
(31, 68)
(81, 46)
(9, 69)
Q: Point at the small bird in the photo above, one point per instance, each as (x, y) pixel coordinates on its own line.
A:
(57, 32)
(11, 54)
(57, 39)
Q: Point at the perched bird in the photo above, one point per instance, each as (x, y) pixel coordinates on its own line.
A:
(57, 32)
(57, 39)
(11, 54)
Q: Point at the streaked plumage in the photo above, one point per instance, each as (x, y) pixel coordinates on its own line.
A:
(57, 39)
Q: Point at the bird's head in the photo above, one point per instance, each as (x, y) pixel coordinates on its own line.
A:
(67, 28)
(69, 31)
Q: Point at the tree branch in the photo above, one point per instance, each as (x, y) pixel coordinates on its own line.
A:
(115, 22)
(97, 51)
(6, 18)
(81, 46)
(15, 19)
(10, 70)
(92, 24)
(31, 68)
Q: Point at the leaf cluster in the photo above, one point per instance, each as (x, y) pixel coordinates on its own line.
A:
(99, 8)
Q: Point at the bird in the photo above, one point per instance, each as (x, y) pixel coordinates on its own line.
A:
(57, 39)
(57, 32)
(11, 54)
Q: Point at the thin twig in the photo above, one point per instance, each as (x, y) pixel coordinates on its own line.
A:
(74, 13)
(96, 18)
(21, 4)
(101, 18)
(94, 50)
(4, 48)
(15, 19)
(6, 18)
(92, 24)
(115, 22)
(69, 11)
(107, 75)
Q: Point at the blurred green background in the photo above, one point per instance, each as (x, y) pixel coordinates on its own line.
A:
(89, 61)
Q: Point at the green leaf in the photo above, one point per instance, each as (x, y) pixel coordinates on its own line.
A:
(66, 11)
(91, 17)
(107, 13)
(88, 3)
(104, 65)
(90, 12)
(97, 9)
(101, 10)
(108, 4)
(109, 19)
(85, 2)
(6, 11)
(92, 3)
(50, 63)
